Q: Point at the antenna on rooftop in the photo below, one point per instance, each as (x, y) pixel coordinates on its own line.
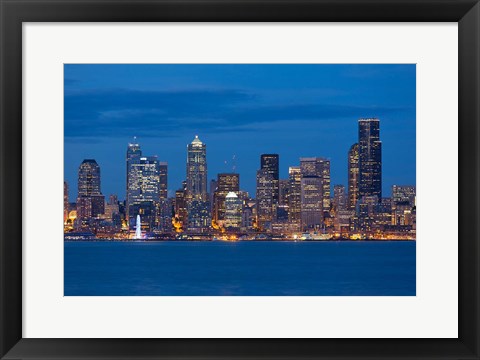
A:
(234, 163)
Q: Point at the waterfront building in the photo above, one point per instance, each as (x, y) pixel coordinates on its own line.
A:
(233, 211)
(294, 194)
(264, 197)
(353, 176)
(317, 166)
(226, 183)
(370, 157)
(312, 202)
(198, 207)
(270, 163)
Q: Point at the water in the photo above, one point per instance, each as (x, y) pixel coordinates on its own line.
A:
(240, 268)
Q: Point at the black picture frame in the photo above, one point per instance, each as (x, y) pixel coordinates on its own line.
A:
(15, 12)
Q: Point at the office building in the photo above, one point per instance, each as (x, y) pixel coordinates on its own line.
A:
(294, 194)
(312, 202)
(370, 157)
(264, 198)
(233, 211)
(317, 166)
(226, 183)
(198, 206)
(144, 192)
(270, 163)
(353, 176)
(134, 153)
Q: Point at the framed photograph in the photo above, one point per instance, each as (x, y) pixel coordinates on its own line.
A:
(239, 179)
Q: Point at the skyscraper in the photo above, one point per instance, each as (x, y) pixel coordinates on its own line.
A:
(317, 166)
(144, 192)
(134, 153)
(264, 199)
(353, 176)
(312, 202)
(339, 198)
(90, 201)
(370, 157)
(270, 163)
(233, 211)
(199, 217)
(88, 178)
(163, 169)
(294, 194)
(197, 170)
(226, 183)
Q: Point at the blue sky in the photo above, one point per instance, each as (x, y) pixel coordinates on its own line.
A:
(242, 110)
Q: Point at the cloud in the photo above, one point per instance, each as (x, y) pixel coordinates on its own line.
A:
(121, 112)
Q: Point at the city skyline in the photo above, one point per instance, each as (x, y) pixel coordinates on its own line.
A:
(281, 208)
(299, 104)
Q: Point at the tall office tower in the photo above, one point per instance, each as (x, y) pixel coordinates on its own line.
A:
(403, 204)
(65, 202)
(264, 198)
(283, 189)
(370, 157)
(233, 211)
(144, 192)
(89, 178)
(270, 163)
(339, 198)
(353, 176)
(134, 153)
(163, 171)
(317, 166)
(294, 194)
(312, 202)
(90, 201)
(226, 183)
(198, 206)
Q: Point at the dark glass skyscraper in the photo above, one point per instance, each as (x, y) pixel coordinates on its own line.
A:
(370, 157)
(270, 163)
